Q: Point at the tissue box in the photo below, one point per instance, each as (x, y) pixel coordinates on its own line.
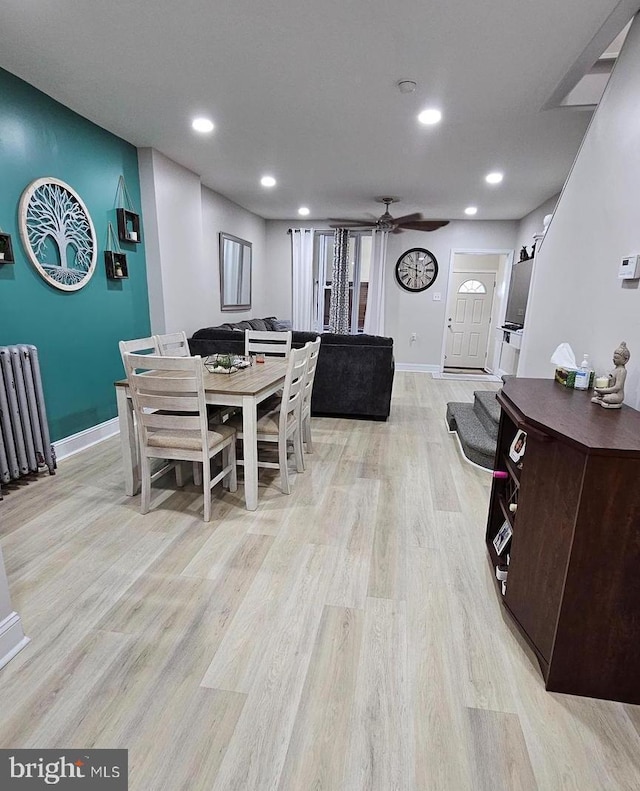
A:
(567, 377)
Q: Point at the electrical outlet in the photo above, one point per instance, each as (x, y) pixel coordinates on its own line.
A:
(437, 296)
(413, 337)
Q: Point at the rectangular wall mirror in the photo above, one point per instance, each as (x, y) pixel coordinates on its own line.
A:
(235, 273)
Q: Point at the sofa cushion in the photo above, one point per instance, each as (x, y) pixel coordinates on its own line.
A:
(355, 340)
(259, 324)
(282, 325)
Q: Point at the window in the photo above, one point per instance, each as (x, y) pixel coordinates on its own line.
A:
(472, 287)
(359, 266)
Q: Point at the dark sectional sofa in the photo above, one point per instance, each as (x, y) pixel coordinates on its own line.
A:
(354, 376)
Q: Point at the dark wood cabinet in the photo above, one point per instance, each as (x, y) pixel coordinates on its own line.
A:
(573, 583)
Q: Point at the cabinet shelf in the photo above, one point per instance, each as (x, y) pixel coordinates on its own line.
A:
(116, 265)
(573, 589)
(128, 226)
(513, 471)
(504, 507)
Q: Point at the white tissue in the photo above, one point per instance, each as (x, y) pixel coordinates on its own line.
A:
(563, 357)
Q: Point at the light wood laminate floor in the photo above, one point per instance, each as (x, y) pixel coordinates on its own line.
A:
(346, 637)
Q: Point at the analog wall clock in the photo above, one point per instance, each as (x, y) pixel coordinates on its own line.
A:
(416, 269)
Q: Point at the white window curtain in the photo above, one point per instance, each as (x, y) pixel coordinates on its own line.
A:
(302, 278)
(374, 314)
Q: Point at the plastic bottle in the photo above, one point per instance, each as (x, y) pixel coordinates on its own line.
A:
(583, 375)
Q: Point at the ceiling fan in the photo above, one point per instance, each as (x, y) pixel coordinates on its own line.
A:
(409, 222)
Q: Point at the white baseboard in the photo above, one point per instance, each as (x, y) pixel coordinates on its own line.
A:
(85, 439)
(12, 639)
(418, 368)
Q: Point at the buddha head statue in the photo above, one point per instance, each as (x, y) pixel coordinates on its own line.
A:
(622, 354)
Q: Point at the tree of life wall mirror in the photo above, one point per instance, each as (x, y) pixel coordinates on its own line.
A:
(58, 234)
(235, 273)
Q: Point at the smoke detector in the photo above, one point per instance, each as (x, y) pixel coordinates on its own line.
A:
(407, 86)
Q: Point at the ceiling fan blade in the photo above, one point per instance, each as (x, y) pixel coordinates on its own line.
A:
(424, 225)
(409, 218)
(344, 221)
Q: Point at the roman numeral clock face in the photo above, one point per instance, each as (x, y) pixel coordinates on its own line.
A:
(416, 269)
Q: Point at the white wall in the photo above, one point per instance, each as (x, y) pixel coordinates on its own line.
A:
(12, 637)
(182, 220)
(405, 313)
(532, 223)
(419, 313)
(171, 198)
(222, 215)
(575, 294)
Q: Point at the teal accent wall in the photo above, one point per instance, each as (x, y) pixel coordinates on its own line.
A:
(76, 333)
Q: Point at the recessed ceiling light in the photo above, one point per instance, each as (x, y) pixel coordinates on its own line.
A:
(203, 125)
(430, 117)
(494, 178)
(268, 181)
(471, 210)
(303, 210)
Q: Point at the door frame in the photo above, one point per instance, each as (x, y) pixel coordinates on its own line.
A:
(501, 292)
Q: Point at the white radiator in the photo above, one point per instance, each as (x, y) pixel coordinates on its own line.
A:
(25, 446)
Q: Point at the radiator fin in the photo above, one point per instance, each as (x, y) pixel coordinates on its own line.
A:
(25, 446)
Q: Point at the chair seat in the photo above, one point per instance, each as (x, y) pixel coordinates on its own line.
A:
(267, 423)
(189, 440)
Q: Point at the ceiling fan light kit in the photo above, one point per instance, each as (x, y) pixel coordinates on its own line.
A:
(408, 222)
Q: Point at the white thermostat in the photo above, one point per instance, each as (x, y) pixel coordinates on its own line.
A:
(629, 268)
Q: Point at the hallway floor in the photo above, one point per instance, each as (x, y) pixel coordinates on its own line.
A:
(348, 637)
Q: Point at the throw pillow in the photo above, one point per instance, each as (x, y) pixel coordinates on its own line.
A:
(282, 325)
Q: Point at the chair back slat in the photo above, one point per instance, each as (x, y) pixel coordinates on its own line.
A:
(270, 343)
(141, 346)
(293, 383)
(173, 344)
(310, 373)
(161, 384)
(169, 402)
(166, 422)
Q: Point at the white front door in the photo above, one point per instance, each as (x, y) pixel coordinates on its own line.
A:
(469, 319)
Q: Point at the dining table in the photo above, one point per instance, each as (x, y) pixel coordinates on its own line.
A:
(245, 388)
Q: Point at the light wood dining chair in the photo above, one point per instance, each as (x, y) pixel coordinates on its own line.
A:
(269, 343)
(313, 350)
(171, 419)
(139, 346)
(282, 424)
(173, 344)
